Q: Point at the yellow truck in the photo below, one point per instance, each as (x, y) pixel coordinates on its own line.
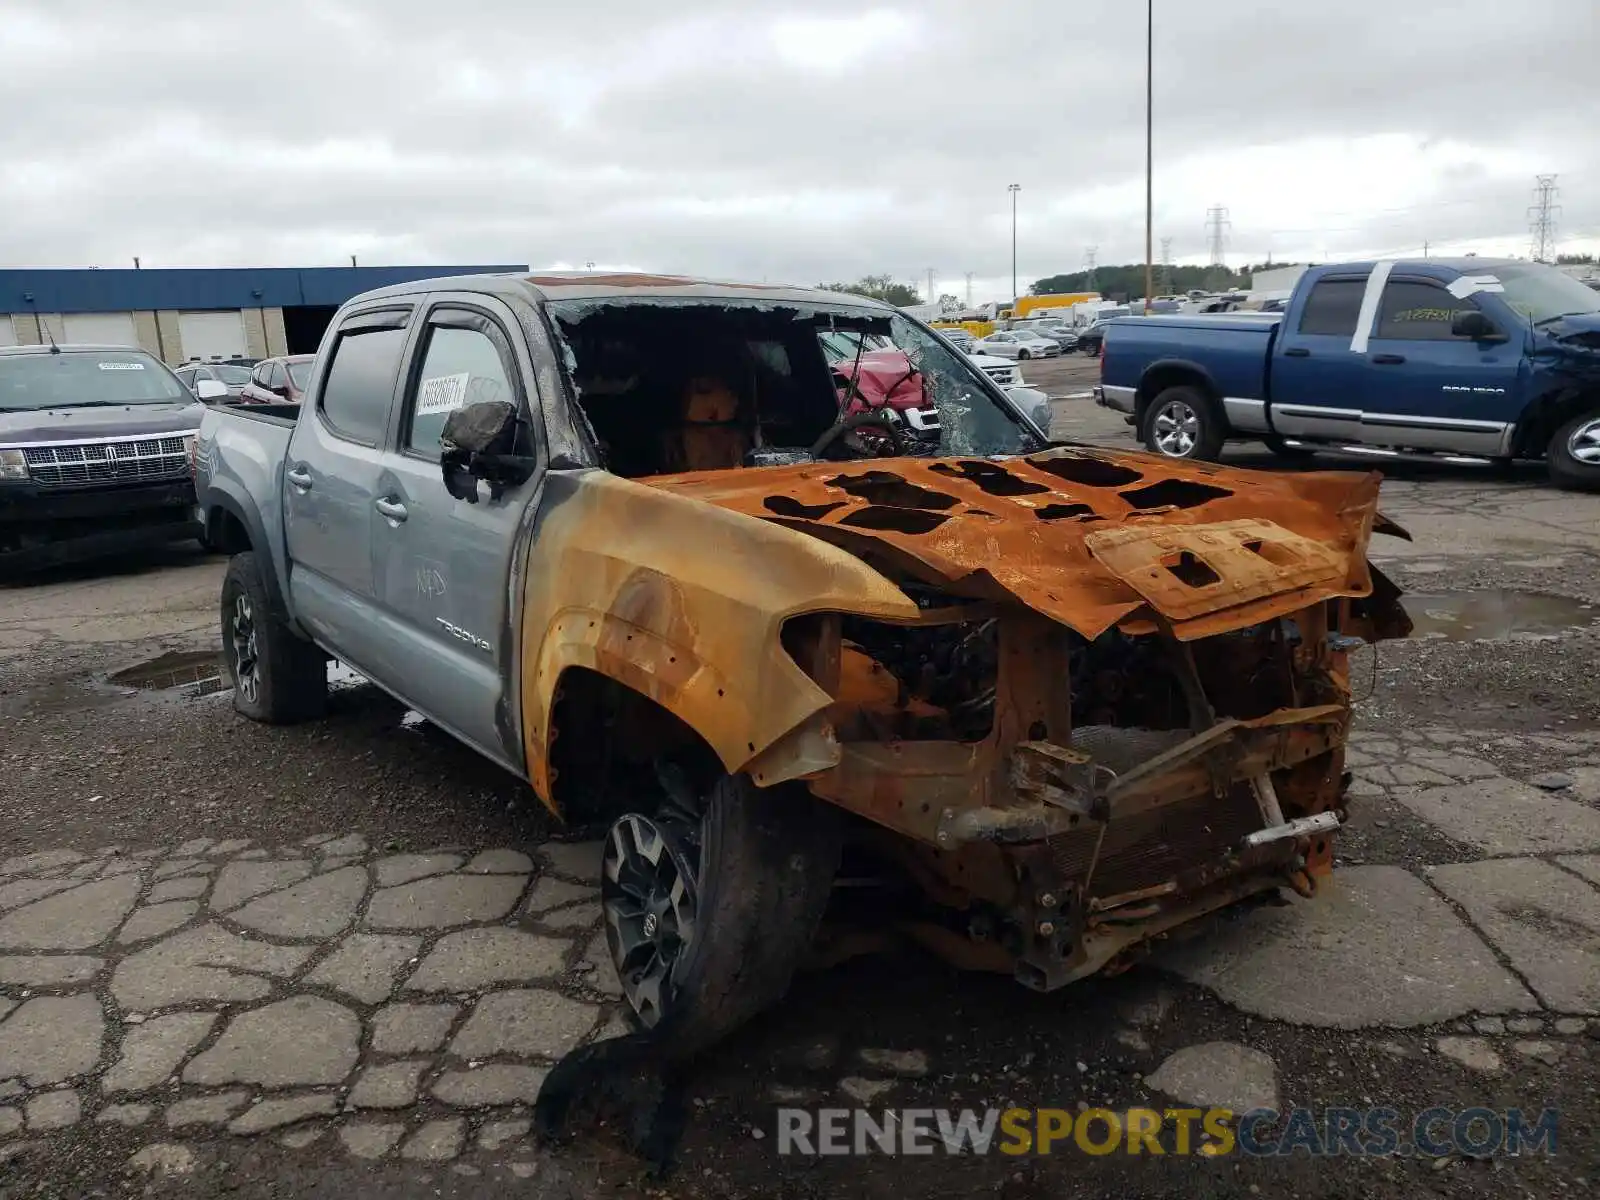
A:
(1058, 304)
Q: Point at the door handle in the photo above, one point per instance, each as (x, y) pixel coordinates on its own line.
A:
(1388, 359)
(300, 478)
(392, 509)
(1297, 352)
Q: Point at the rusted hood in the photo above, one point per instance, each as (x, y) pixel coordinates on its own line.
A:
(1086, 537)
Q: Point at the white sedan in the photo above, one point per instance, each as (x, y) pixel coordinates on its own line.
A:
(1018, 345)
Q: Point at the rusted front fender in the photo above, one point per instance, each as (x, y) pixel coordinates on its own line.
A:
(684, 603)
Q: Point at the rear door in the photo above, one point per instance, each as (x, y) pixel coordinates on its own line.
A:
(331, 482)
(443, 564)
(1315, 387)
(1426, 387)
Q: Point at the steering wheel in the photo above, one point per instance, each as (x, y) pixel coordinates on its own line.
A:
(880, 421)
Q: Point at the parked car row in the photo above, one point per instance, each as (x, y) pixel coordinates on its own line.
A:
(277, 380)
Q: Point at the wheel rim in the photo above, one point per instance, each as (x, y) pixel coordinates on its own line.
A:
(650, 898)
(1177, 429)
(1584, 443)
(242, 639)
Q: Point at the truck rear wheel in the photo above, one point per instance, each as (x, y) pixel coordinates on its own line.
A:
(1573, 455)
(277, 677)
(1182, 423)
(708, 914)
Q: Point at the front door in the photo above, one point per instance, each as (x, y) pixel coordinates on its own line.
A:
(331, 479)
(442, 563)
(1428, 388)
(1316, 381)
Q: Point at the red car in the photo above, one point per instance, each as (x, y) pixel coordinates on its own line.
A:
(278, 380)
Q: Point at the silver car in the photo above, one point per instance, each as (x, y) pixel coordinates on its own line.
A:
(1017, 344)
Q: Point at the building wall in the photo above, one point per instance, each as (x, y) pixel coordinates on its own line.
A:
(277, 337)
(159, 331)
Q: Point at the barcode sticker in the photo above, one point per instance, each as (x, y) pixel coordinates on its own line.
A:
(442, 393)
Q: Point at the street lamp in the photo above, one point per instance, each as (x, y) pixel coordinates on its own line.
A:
(1149, 149)
(1014, 188)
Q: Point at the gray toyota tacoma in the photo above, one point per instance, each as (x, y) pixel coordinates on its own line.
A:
(629, 537)
(96, 450)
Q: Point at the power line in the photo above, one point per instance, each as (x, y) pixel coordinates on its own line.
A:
(1542, 214)
(1088, 268)
(1217, 226)
(1166, 266)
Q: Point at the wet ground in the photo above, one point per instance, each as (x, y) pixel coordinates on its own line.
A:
(395, 1023)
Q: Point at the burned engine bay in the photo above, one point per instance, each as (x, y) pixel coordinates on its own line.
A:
(1123, 702)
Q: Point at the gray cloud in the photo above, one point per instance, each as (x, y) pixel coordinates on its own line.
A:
(796, 142)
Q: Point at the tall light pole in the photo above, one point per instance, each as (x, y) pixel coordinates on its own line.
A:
(1014, 188)
(1149, 148)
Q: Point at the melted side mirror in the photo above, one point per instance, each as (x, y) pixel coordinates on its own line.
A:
(479, 441)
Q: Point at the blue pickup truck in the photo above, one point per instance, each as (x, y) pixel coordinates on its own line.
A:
(1467, 359)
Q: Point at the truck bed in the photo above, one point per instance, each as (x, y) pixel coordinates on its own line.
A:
(274, 414)
(239, 470)
(1233, 350)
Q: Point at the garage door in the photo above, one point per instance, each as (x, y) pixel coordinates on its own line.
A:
(208, 335)
(8, 333)
(108, 329)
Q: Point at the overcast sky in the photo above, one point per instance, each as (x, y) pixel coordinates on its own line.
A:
(803, 141)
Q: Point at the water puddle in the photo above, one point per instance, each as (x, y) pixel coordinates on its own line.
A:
(196, 672)
(1496, 615)
(202, 673)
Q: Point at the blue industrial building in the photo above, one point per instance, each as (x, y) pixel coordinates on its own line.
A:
(193, 313)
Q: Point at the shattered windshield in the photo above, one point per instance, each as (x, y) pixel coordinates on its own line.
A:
(678, 384)
(1543, 293)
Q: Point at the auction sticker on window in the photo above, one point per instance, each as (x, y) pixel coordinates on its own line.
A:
(120, 366)
(442, 393)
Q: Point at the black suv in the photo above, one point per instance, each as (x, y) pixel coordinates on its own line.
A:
(96, 446)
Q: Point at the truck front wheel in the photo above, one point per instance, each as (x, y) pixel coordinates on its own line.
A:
(1574, 454)
(1182, 423)
(708, 913)
(277, 677)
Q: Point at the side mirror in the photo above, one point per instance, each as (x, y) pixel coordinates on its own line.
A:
(1034, 404)
(479, 441)
(210, 389)
(1473, 324)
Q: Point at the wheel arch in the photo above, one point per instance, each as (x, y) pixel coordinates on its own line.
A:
(1167, 373)
(1548, 413)
(233, 525)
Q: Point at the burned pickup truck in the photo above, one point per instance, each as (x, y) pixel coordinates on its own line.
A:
(615, 533)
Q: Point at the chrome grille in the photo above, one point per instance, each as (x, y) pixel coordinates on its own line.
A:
(1005, 376)
(134, 460)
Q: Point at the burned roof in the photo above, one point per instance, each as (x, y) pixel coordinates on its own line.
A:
(612, 285)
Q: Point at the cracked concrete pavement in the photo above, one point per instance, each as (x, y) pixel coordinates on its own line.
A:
(345, 954)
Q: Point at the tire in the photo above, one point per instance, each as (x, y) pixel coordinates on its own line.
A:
(1282, 449)
(1573, 455)
(1182, 423)
(278, 677)
(1023, 356)
(765, 867)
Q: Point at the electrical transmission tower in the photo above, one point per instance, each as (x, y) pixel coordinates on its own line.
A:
(1542, 214)
(1165, 275)
(1217, 226)
(969, 289)
(1088, 268)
